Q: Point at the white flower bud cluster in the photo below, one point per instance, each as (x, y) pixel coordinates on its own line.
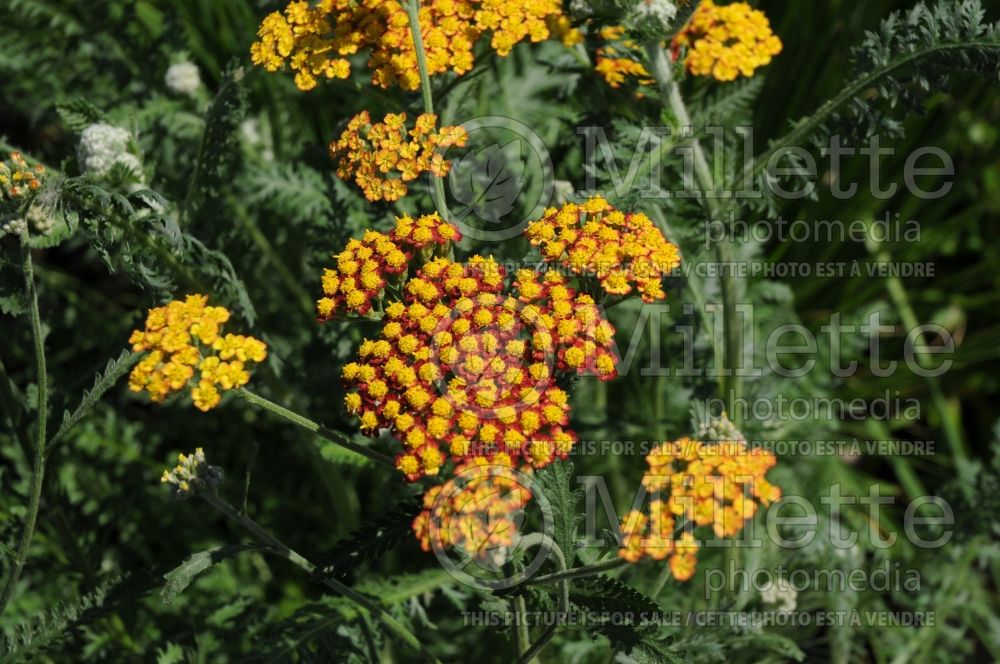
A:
(102, 147)
(183, 78)
(14, 227)
(719, 429)
(40, 218)
(661, 12)
(781, 594)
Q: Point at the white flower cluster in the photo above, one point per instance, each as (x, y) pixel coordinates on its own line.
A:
(40, 218)
(781, 594)
(661, 12)
(719, 429)
(183, 78)
(102, 147)
(14, 227)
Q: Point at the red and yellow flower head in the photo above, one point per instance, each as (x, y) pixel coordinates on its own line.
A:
(623, 250)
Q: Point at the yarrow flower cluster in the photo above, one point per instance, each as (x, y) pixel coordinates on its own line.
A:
(191, 471)
(695, 484)
(316, 41)
(623, 250)
(17, 179)
(727, 41)
(476, 511)
(368, 266)
(183, 78)
(462, 370)
(618, 60)
(371, 154)
(102, 147)
(185, 348)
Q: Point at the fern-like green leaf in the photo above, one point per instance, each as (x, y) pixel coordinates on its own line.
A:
(103, 382)
(368, 543)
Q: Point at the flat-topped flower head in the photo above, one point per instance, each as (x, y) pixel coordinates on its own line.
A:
(367, 267)
(478, 511)
(186, 348)
(317, 40)
(694, 484)
(17, 178)
(624, 251)
(382, 157)
(467, 367)
(727, 41)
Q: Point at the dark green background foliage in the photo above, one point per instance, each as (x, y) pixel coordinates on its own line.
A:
(251, 217)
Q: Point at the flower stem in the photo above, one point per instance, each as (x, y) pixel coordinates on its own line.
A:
(578, 572)
(395, 628)
(521, 635)
(730, 386)
(38, 466)
(413, 13)
(541, 539)
(315, 427)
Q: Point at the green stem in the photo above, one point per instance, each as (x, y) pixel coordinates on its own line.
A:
(578, 572)
(730, 387)
(413, 13)
(805, 128)
(395, 628)
(522, 637)
(541, 539)
(38, 467)
(315, 427)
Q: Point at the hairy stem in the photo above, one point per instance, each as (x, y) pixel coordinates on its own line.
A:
(315, 427)
(730, 386)
(541, 539)
(413, 13)
(397, 630)
(38, 466)
(578, 572)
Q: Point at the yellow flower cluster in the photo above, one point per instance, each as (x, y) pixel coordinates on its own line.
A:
(622, 250)
(462, 370)
(476, 511)
(727, 41)
(371, 153)
(367, 266)
(184, 339)
(694, 484)
(186, 471)
(17, 178)
(315, 41)
(618, 60)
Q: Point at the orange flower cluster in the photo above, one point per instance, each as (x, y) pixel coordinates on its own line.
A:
(475, 511)
(727, 41)
(367, 266)
(184, 339)
(462, 370)
(618, 60)
(17, 178)
(622, 250)
(315, 41)
(369, 153)
(695, 484)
